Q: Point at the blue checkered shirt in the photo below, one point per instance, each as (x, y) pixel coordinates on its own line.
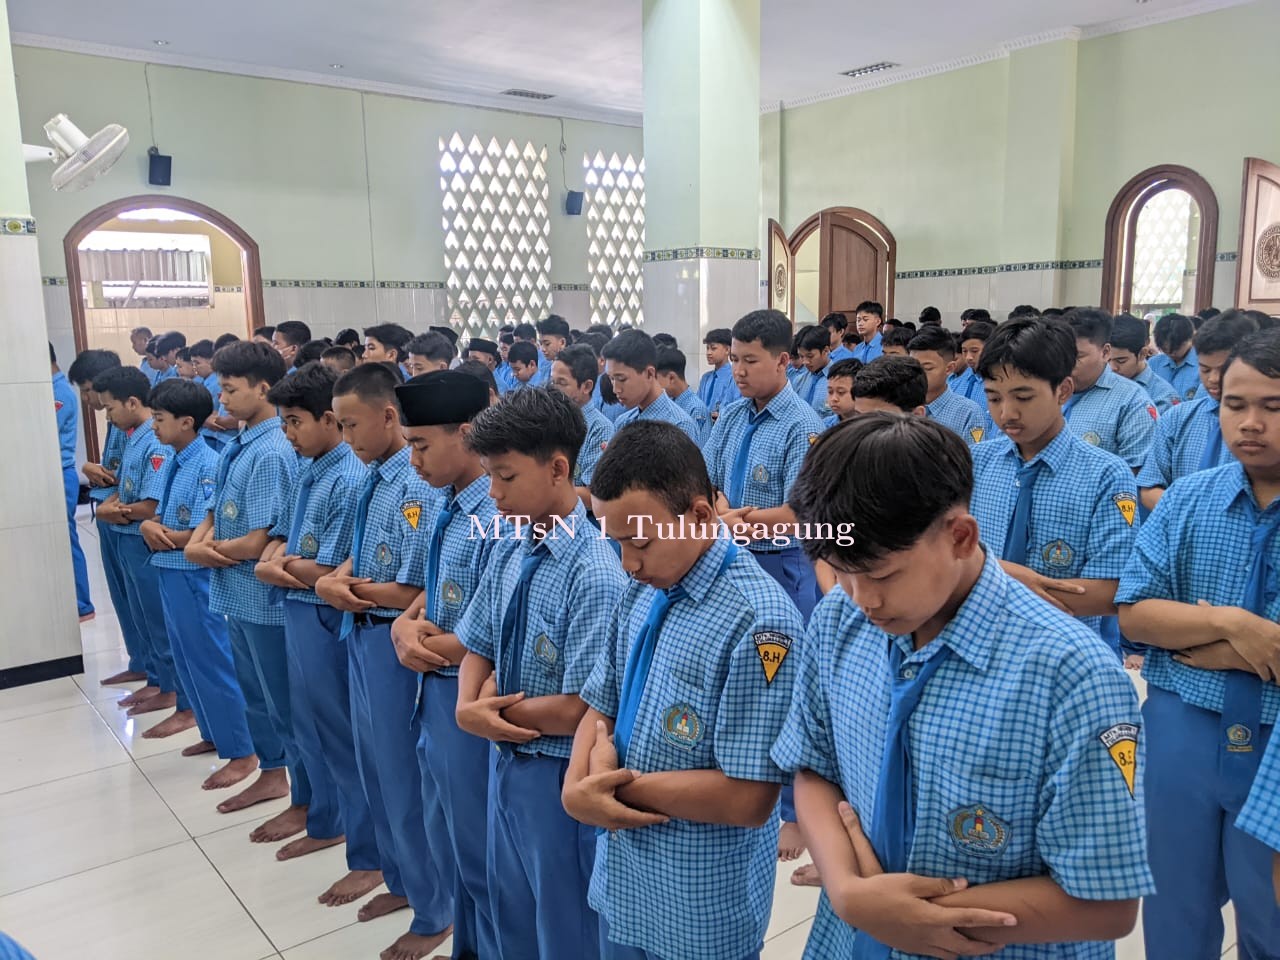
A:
(195, 479)
(1196, 546)
(1179, 441)
(778, 449)
(1261, 814)
(1159, 390)
(708, 662)
(141, 471)
(112, 457)
(664, 409)
(327, 526)
(841, 353)
(959, 416)
(610, 411)
(717, 388)
(1013, 722)
(866, 352)
(812, 388)
(831, 421)
(600, 431)
(697, 412)
(1077, 529)
(504, 377)
(1117, 415)
(214, 387)
(968, 384)
(1184, 377)
(251, 498)
(571, 601)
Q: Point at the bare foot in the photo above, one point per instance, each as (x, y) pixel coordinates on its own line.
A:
(204, 746)
(1133, 661)
(270, 785)
(806, 876)
(231, 773)
(124, 676)
(304, 845)
(180, 721)
(161, 701)
(413, 947)
(790, 842)
(86, 617)
(380, 906)
(142, 693)
(281, 826)
(351, 887)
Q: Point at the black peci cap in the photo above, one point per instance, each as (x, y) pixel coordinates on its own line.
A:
(441, 397)
(483, 346)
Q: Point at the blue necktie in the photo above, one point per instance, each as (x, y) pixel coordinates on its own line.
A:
(738, 478)
(233, 449)
(443, 518)
(1015, 543)
(303, 499)
(1212, 446)
(636, 673)
(514, 622)
(357, 538)
(893, 820)
(814, 379)
(168, 488)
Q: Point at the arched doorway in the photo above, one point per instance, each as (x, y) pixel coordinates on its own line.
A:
(114, 304)
(832, 261)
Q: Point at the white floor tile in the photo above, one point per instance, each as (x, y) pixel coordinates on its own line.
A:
(170, 899)
(37, 698)
(68, 826)
(128, 730)
(103, 631)
(360, 941)
(788, 945)
(177, 779)
(99, 665)
(55, 745)
(792, 905)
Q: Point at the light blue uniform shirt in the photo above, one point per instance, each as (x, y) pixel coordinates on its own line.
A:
(1178, 443)
(1261, 814)
(141, 471)
(794, 374)
(112, 457)
(831, 421)
(327, 525)
(1012, 726)
(610, 411)
(697, 412)
(841, 353)
(194, 473)
(211, 384)
(866, 352)
(812, 388)
(1184, 376)
(664, 409)
(157, 376)
(571, 602)
(1196, 546)
(716, 696)
(717, 388)
(968, 384)
(66, 406)
(599, 432)
(1084, 515)
(251, 497)
(504, 377)
(1159, 390)
(1117, 415)
(543, 376)
(960, 416)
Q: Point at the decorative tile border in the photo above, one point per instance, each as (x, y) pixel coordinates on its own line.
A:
(571, 287)
(53, 281)
(218, 289)
(410, 284)
(1229, 257)
(701, 253)
(17, 226)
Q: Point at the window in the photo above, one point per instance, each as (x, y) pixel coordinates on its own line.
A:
(615, 237)
(123, 269)
(497, 254)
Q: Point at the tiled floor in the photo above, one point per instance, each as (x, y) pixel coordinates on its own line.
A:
(109, 848)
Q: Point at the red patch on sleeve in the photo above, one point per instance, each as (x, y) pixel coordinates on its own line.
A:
(1155, 414)
(57, 404)
(157, 462)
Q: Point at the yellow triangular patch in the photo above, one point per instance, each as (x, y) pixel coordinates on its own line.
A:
(977, 433)
(772, 648)
(412, 511)
(1121, 742)
(1127, 505)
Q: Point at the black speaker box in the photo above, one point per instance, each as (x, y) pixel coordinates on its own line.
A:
(573, 203)
(160, 168)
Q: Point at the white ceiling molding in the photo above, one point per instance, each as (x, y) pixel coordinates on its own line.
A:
(1159, 16)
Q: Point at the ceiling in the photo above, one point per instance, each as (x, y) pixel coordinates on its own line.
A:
(585, 52)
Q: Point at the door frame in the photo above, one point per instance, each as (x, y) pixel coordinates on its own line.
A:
(821, 221)
(1253, 166)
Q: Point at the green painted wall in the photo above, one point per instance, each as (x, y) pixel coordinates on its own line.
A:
(13, 196)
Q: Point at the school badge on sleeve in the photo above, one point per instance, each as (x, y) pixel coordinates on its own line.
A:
(1121, 742)
(976, 434)
(772, 648)
(1092, 438)
(682, 726)
(157, 461)
(813, 438)
(207, 486)
(1127, 504)
(308, 546)
(975, 829)
(451, 594)
(230, 510)
(412, 512)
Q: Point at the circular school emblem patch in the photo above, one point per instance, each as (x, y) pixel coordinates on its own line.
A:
(184, 514)
(682, 726)
(1057, 554)
(128, 484)
(759, 474)
(1191, 394)
(545, 650)
(230, 510)
(451, 594)
(382, 555)
(113, 464)
(1091, 437)
(1239, 739)
(308, 546)
(975, 829)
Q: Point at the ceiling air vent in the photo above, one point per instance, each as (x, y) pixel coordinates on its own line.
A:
(870, 68)
(527, 94)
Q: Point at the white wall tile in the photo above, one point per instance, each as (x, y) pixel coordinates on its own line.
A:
(37, 591)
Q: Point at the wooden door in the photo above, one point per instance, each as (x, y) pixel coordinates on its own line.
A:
(782, 293)
(1258, 269)
(855, 265)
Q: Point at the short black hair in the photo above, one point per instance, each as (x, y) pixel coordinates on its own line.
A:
(309, 388)
(720, 335)
(1129, 333)
(581, 361)
(264, 331)
(835, 321)
(671, 360)
(1039, 347)
(89, 363)
(814, 338)
(656, 457)
(536, 422)
(480, 370)
(897, 337)
(770, 327)
(911, 471)
(434, 346)
(1172, 331)
(522, 351)
(1260, 350)
(138, 331)
(390, 335)
(254, 361)
(872, 307)
(554, 325)
(595, 341)
(223, 340)
(201, 350)
(309, 351)
(665, 340)
(978, 330)
(1208, 313)
(168, 342)
(372, 383)
(976, 315)
(897, 380)
(1224, 331)
(53, 356)
(182, 398)
(633, 348)
(932, 337)
(346, 359)
(185, 354)
(123, 383)
(293, 332)
(1056, 311)
(1023, 310)
(848, 367)
(930, 315)
(1090, 324)
(525, 331)
(346, 337)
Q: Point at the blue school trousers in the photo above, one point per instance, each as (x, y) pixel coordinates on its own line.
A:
(616, 951)
(261, 661)
(202, 656)
(794, 573)
(71, 487)
(118, 588)
(148, 612)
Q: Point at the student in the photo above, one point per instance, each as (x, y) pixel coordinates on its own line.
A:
(385, 342)
(1128, 342)
(892, 385)
(310, 539)
(697, 791)
(661, 340)
(814, 346)
(975, 315)
(836, 324)
(287, 338)
(840, 390)
(263, 335)
(349, 338)
(603, 398)
(138, 339)
(162, 355)
(630, 360)
(1258, 817)
(868, 319)
(338, 359)
(219, 427)
(670, 367)
(523, 360)
(451, 335)
(66, 409)
(182, 362)
(481, 372)
(533, 632)
(965, 381)
(928, 635)
(935, 350)
(795, 369)
(254, 470)
(574, 374)
(528, 333)
(1061, 513)
(311, 352)
(553, 336)
(930, 316)
(197, 636)
(717, 388)
(223, 340)
(437, 412)
(1104, 409)
(1200, 591)
(379, 581)
(1023, 310)
(894, 341)
(1177, 361)
(427, 352)
(484, 351)
(1189, 438)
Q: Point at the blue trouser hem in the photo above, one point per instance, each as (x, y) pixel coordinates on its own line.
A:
(71, 487)
(268, 743)
(118, 589)
(148, 611)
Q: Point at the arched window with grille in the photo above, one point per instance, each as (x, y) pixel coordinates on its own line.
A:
(615, 237)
